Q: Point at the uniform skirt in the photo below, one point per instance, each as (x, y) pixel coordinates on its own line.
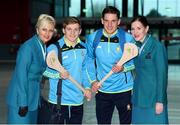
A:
(148, 116)
(15, 118)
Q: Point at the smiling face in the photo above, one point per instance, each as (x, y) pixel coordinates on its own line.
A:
(139, 31)
(72, 32)
(45, 31)
(110, 22)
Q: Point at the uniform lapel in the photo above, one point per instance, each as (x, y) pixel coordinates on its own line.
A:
(39, 51)
(147, 46)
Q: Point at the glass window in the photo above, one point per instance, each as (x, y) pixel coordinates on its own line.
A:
(169, 8)
(173, 48)
(94, 7)
(74, 9)
(58, 8)
(148, 8)
(130, 8)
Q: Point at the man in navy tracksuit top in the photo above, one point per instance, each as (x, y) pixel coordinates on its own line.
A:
(116, 90)
(73, 56)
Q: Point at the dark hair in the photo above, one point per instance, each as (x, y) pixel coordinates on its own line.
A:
(141, 19)
(71, 20)
(111, 9)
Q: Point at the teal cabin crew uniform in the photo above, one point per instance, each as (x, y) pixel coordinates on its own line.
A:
(24, 87)
(150, 83)
(116, 90)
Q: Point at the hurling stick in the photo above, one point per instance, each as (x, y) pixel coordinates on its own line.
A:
(130, 51)
(53, 62)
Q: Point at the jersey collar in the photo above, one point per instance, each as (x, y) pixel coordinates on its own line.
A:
(109, 35)
(69, 44)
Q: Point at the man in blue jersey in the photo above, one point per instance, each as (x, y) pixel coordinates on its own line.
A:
(106, 52)
(73, 52)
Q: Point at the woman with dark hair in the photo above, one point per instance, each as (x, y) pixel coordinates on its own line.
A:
(150, 85)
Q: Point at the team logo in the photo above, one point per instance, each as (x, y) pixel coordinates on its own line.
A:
(118, 49)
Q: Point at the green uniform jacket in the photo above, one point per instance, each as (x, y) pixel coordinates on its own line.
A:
(151, 74)
(24, 87)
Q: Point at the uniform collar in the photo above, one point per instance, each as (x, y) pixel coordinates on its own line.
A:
(42, 43)
(139, 43)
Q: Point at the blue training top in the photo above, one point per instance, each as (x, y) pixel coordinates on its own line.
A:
(73, 60)
(107, 53)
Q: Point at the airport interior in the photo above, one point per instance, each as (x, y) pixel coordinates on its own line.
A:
(18, 18)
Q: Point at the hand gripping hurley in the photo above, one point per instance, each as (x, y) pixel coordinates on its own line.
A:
(53, 62)
(130, 51)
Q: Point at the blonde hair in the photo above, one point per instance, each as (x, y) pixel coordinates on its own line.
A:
(45, 17)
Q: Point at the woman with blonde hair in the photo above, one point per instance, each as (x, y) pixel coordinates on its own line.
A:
(24, 88)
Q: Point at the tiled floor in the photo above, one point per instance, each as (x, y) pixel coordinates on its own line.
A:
(89, 107)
